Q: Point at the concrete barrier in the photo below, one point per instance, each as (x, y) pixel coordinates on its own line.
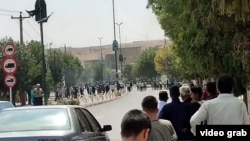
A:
(90, 100)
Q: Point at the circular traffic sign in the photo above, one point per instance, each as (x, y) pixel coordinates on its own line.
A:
(9, 65)
(10, 80)
(9, 49)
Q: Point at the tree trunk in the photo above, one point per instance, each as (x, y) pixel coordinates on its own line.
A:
(23, 98)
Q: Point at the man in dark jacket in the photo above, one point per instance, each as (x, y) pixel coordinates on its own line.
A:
(178, 113)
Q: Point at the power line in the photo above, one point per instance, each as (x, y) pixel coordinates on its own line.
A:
(46, 35)
(5, 15)
(28, 34)
(33, 27)
(5, 10)
(25, 32)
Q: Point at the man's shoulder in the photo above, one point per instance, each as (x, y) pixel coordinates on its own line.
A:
(165, 122)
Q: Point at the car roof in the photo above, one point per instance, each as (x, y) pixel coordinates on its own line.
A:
(4, 102)
(44, 107)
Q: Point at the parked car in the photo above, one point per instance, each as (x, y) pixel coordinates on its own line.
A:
(57, 123)
(5, 105)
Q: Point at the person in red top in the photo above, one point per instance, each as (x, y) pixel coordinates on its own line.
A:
(204, 93)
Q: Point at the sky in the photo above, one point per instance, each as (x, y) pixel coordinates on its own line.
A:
(79, 23)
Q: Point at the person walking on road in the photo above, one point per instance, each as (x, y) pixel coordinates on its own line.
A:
(135, 126)
(163, 98)
(162, 130)
(178, 113)
(38, 95)
(223, 110)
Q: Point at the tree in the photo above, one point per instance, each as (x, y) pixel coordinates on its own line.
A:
(30, 67)
(127, 72)
(73, 69)
(208, 36)
(97, 69)
(145, 67)
(56, 65)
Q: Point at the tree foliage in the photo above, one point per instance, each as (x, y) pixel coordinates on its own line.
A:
(145, 67)
(208, 35)
(128, 71)
(29, 59)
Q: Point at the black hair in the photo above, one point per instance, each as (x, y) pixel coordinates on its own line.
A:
(211, 88)
(149, 103)
(225, 83)
(133, 122)
(174, 91)
(163, 96)
(197, 90)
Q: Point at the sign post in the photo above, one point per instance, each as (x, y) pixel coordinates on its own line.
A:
(9, 66)
(10, 81)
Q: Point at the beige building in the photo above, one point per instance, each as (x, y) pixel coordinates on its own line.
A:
(131, 51)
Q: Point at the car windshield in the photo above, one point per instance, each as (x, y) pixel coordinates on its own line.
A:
(34, 120)
(5, 105)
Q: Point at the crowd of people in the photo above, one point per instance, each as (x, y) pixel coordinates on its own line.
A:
(77, 91)
(189, 107)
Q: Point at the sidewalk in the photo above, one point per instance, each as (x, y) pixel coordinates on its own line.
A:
(88, 100)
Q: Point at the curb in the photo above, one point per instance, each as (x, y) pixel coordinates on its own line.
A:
(109, 100)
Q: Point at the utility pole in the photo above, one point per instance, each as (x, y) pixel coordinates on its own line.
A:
(115, 42)
(120, 56)
(100, 38)
(41, 17)
(65, 49)
(20, 18)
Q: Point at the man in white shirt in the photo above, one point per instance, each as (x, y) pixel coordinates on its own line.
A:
(38, 95)
(225, 109)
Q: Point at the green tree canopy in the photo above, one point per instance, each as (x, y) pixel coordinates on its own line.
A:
(145, 67)
(29, 59)
(209, 36)
(128, 71)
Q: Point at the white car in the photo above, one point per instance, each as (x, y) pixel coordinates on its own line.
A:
(5, 105)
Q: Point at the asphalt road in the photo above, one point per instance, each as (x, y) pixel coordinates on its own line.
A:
(111, 113)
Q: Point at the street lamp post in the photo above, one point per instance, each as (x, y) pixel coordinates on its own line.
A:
(120, 56)
(100, 38)
(115, 44)
(41, 17)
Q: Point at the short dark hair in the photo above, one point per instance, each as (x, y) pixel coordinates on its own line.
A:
(174, 91)
(133, 122)
(163, 95)
(211, 88)
(225, 83)
(197, 90)
(149, 103)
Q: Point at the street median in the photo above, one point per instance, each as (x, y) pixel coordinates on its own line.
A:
(90, 100)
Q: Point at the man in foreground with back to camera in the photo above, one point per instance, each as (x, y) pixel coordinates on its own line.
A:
(226, 109)
(135, 126)
(162, 130)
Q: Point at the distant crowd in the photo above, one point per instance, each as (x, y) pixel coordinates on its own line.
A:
(91, 89)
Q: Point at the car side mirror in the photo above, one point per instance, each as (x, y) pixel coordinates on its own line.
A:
(106, 128)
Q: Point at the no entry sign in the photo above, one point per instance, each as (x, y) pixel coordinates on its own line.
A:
(10, 80)
(9, 65)
(9, 49)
